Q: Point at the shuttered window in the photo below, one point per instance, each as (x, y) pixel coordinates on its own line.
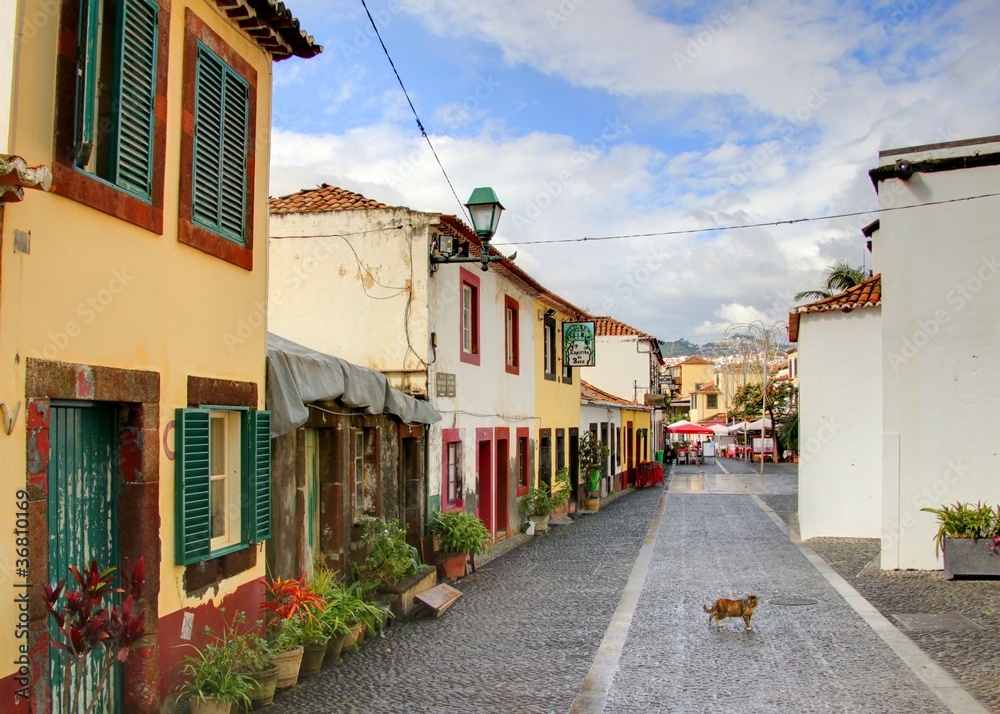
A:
(116, 91)
(197, 492)
(220, 147)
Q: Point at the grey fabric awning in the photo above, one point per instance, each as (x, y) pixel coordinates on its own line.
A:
(298, 375)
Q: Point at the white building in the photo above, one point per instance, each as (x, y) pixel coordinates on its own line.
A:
(840, 413)
(933, 398)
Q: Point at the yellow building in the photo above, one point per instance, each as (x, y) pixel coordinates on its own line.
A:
(132, 304)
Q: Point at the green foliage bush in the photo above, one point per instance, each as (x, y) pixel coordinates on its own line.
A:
(390, 558)
(459, 532)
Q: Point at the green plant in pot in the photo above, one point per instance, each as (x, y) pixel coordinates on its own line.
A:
(541, 501)
(214, 684)
(593, 458)
(252, 655)
(969, 538)
(287, 600)
(390, 558)
(458, 534)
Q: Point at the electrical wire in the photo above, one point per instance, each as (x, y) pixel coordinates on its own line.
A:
(502, 416)
(790, 221)
(420, 125)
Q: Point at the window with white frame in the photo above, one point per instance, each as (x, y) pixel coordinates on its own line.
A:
(224, 478)
(454, 479)
(549, 345)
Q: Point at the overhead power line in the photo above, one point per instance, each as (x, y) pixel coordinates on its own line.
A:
(790, 221)
(420, 125)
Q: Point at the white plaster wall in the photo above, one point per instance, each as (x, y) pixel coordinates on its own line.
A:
(941, 350)
(368, 305)
(594, 413)
(840, 424)
(618, 367)
(8, 31)
(486, 396)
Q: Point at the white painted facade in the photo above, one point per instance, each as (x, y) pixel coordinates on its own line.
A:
(940, 357)
(609, 417)
(8, 34)
(621, 369)
(840, 424)
(355, 284)
(487, 397)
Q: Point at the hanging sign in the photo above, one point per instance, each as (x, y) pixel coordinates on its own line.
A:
(579, 344)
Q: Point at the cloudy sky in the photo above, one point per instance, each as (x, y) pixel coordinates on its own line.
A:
(598, 118)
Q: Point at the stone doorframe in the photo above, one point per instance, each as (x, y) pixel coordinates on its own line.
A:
(137, 396)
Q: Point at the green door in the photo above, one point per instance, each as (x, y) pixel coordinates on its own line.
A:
(82, 516)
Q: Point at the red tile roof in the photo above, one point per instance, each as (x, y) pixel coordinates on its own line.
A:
(867, 293)
(322, 198)
(272, 26)
(590, 393)
(695, 359)
(610, 327)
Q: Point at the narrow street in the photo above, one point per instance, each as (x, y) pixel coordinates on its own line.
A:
(605, 615)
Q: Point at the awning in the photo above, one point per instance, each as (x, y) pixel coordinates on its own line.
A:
(298, 375)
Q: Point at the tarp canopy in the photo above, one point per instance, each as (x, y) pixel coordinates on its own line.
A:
(298, 375)
(689, 429)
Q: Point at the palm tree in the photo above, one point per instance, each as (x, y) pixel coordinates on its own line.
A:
(840, 276)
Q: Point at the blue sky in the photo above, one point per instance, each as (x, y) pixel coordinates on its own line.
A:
(610, 117)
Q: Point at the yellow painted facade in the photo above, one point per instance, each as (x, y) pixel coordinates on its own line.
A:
(96, 291)
(557, 401)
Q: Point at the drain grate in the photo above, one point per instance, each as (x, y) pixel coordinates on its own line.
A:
(935, 622)
(792, 601)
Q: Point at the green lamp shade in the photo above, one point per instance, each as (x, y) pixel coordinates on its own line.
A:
(485, 209)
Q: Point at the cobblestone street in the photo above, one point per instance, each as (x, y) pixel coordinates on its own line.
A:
(605, 614)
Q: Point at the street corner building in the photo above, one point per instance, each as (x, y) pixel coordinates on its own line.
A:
(133, 211)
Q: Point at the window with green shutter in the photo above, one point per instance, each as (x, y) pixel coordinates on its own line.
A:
(223, 481)
(220, 147)
(116, 92)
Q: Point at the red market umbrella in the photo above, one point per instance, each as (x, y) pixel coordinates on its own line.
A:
(689, 429)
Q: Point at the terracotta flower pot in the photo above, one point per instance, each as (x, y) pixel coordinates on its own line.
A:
(210, 706)
(288, 667)
(354, 637)
(312, 659)
(333, 648)
(592, 504)
(267, 683)
(451, 565)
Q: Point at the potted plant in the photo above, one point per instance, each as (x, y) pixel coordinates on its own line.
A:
(593, 458)
(309, 629)
(214, 684)
(968, 536)
(458, 534)
(287, 598)
(541, 501)
(253, 656)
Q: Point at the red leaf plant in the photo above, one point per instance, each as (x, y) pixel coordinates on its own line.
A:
(84, 623)
(291, 597)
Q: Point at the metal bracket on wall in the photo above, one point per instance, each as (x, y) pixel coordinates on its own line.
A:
(9, 419)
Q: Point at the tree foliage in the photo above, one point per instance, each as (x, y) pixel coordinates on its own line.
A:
(840, 276)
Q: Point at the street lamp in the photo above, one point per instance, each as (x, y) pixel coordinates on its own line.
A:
(485, 209)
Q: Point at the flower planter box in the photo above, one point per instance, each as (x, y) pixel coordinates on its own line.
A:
(402, 596)
(968, 557)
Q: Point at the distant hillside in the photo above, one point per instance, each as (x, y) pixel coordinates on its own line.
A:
(679, 348)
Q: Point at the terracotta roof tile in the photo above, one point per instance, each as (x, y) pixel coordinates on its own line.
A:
(272, 26)
(867, 293)
(323, 198)
(610, 327)
(590, 393)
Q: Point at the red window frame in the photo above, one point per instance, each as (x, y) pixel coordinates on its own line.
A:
(467, 279)
(523, 461)
(512, 335)
(449, 438)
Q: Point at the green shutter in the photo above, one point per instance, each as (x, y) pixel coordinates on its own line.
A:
(259, 476)
(220, 147)
(86, 80)
(132, 161)
(193, 521)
